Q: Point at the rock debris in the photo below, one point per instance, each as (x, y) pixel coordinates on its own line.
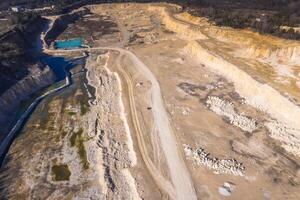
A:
(225, 108)
(219, 166)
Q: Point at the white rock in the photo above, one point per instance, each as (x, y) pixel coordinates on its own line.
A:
(224, 191)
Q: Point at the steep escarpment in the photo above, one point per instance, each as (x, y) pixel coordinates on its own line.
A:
(254, 44)
(188, 31)
(21, 74)
(38, 77)
(166, 11)
(223, 50)
(16, 51)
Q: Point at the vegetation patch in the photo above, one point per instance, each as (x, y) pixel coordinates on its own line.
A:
(64, 133)
(47, 120)
(83, 108)
(77, 139)
(61, 172)
(83, 102)
(71, 113)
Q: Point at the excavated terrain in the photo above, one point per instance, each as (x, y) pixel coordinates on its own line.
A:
(164, 106)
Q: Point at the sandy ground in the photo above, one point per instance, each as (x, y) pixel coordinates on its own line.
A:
(182, 130)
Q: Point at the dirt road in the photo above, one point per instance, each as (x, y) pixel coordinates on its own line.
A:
(179, 174)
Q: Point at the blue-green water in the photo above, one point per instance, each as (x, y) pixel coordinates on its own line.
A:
(57, 64)
(69, 44)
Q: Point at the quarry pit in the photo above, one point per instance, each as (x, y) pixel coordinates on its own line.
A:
(165, 106)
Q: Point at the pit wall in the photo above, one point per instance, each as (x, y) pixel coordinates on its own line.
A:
(12, 97)
(185, 30)
(259, 95)
(255, 44)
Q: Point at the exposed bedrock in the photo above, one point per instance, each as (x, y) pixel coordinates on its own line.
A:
(187, 31)
(16, 50)
(199, 32)
(257, 94)
(38, 78)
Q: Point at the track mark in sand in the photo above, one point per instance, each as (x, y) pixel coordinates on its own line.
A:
(159, 179)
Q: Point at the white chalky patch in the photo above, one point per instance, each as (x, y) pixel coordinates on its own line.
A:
(286, 135)
(219, 166)
(225, 108)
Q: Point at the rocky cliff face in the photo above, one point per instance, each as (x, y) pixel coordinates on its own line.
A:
(187, 31)
(257, 94)
(38, 77)
(21, 74)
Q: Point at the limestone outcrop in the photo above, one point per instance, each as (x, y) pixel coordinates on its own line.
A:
(257, 45)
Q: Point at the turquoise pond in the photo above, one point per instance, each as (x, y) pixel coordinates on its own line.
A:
(69, 44)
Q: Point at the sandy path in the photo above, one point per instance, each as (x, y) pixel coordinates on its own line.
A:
(161, 181)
